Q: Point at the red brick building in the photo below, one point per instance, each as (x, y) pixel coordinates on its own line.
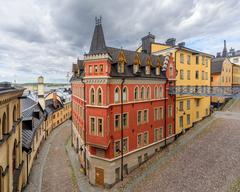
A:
(111, 83)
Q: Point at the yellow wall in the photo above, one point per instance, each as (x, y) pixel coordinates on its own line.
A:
(236, 75)
(156, 47)
(7, 143)
(203, 109)
(224, 78)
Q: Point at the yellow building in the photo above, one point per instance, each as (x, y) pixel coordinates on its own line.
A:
(193, 69)
(221, 75)
(236, 75)
(11, 161)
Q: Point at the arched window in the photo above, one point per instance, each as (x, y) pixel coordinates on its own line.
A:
(14, 114)
(136, 93)
(1, 180)
(92, 96)
(99, 96)
(1, 133)
(117, 95)
(14, 156)
(4, 124)
(155, 92)
(125, 94)
(160, 92)
(148, 93)
(142, 93)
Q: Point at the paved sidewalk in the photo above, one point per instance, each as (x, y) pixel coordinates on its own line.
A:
(51, 171)
(82, 180)
(206, 158)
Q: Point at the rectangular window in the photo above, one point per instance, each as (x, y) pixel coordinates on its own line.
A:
(156, 134)
(117, 149)
(197, 75)
(90, 68)
(188, 104)
(145, 138)
(197, 114)
(101, 68)
(139, 117)
(125, 120)
(181, 58)
(181, 106)
(197, 102)
(170, 130)
(206, 62)
(181, 122)
(181, 74)
(125, 145)
(117, 121)
(95, 68)
(160, 113)
(203, 60)
(197, 60)
(188, 74)
(206, 76)
(161, 133)
(117, 174)
(100, 127)
(145, 115)
(188, 119)
(92, 125)
(156, 114)
(169, 110)
(139, 140)
(202, 75)
(188, 59)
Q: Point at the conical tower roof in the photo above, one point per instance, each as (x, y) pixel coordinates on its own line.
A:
(98, 42)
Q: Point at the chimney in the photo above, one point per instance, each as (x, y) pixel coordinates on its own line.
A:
(41, 98)
(171, 42)
(146, 43)
(55, 99)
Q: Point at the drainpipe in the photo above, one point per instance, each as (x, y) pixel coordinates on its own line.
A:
(165, 127)
(84, 124)
(123, 79)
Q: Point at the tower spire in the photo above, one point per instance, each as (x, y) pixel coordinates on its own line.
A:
(98, 41)
(224, 53)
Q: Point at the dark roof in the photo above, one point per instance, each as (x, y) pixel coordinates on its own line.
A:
(30, 122)
(98, 42)
(6, 87)
(216, 66)
(51, 108)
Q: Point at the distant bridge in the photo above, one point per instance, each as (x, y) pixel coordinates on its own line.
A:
(213, 91)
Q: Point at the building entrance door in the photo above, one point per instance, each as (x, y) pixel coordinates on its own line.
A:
(99, 176)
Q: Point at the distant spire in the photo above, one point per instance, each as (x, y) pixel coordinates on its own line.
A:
(98, 42)
(224, 53)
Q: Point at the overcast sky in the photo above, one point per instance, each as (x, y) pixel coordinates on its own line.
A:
(44, 37)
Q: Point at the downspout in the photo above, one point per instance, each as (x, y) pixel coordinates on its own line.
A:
(84, 124)
(165, 127)
(71, 119)
(123, 80)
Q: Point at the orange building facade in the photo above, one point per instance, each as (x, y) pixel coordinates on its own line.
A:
(122, 111)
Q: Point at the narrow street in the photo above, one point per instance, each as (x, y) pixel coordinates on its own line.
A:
(51, 170)
(205, 159)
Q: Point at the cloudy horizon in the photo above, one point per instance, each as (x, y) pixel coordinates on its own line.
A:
(45, 37)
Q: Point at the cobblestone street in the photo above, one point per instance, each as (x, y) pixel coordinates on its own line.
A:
(205, 159)
(51, 170)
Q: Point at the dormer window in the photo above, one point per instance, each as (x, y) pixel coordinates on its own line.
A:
(148, 70)
(121, 67)
(157, 70)
(121, 61)
(135, 68)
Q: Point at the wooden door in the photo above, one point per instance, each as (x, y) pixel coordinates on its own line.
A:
(99, 176)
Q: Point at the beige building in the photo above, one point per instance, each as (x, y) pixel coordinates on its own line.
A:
(11, 161)
(235, 75)
(221, 75)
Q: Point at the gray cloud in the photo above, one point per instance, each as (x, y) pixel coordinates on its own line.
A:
(45, 37)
